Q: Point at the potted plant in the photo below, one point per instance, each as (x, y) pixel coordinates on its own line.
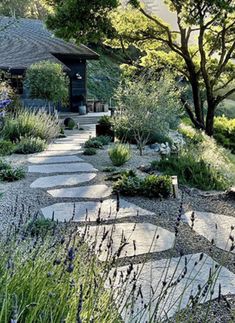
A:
(105, 127)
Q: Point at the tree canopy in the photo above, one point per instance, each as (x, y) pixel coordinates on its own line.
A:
(200, 50)
(81, 20)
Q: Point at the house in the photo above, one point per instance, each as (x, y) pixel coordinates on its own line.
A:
(24, 42)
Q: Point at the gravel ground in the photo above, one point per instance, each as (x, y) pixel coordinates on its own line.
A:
(19, 199)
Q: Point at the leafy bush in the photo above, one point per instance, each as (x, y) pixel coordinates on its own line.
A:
(6, 147)
(30, 145)
(224, 132)
(105, 140)
(70, 123)
(9, 173)
(151, 186)
(156, 186)
(119, 154)
(106, 122)
(128, 185)
(194, 172)
(38, 227)
(89, 151)
(93, 143)
(26, 123)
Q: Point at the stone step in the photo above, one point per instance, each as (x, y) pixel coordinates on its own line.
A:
(62, 168)
(216, 227)
(54, 160)
(89, 192)
(134, 238)
(84, 211)
(62, 180)
(185, 273)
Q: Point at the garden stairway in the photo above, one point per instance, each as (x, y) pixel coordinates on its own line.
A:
(66, 177)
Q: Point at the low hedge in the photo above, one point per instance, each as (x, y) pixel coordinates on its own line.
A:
(224, 132)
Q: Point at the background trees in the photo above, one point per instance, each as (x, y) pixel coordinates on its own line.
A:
(200, 50)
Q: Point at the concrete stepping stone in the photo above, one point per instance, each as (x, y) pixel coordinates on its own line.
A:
(57, 153)
(91, 192)
(62, 180)
(65, 147)
(213, 226)
(82, 211)
(154, 274)
(137, 239)
(62, 168)
(54, 160)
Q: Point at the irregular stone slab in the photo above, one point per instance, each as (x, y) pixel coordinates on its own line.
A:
(62, 180)
(57, 153)
(213, 226)
(65, 147)
(93, 191)
(136, 239)
(153, 275)
(54, 160)
(82, 211)
(62, 168)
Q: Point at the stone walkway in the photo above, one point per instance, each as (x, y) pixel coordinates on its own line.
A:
(64, 175)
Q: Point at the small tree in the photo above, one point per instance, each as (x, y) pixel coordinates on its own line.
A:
(148, 107)
(47, 81)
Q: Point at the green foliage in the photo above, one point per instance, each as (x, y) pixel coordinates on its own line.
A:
(227, 109)
(24, 8)
(105, 121)
(119, 154)
(68, 21)
(211, 77)
(9, 173)
(39, 226)
(47, 81)
(225, 132)
(157, 186)
(89, 151)
(6, 147)
(30, 145)
(52, 280)
(194, 172)
(151, 186)
(93, 143)
(26, 123)
(71, 124)
(105, 140)
(109, 169)
(147, 109)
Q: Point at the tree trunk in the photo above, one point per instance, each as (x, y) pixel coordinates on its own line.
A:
(210, 118)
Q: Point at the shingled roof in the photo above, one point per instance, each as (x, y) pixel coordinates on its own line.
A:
(26, 41)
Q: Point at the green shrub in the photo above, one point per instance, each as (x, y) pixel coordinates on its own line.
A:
(106, 122)
(93, 143)
(119, 154)
(70, 123)
(193, 172)
(151, 186)
(39, 227)
(105, 140)
(28, 123)
(224, 132)
(29, 145)
(89, 151)
(9, 173)
(128, 185)
(157, 186)
(6, 147)
(109, 169)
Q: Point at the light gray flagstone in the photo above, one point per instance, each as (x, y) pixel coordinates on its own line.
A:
(151, 276)
(62, 180)
(57, 153)
(92, 192)
(62, 168)
(213, 226)
(138, 238)
(54, 160)
(65, 147)
(81, 211)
